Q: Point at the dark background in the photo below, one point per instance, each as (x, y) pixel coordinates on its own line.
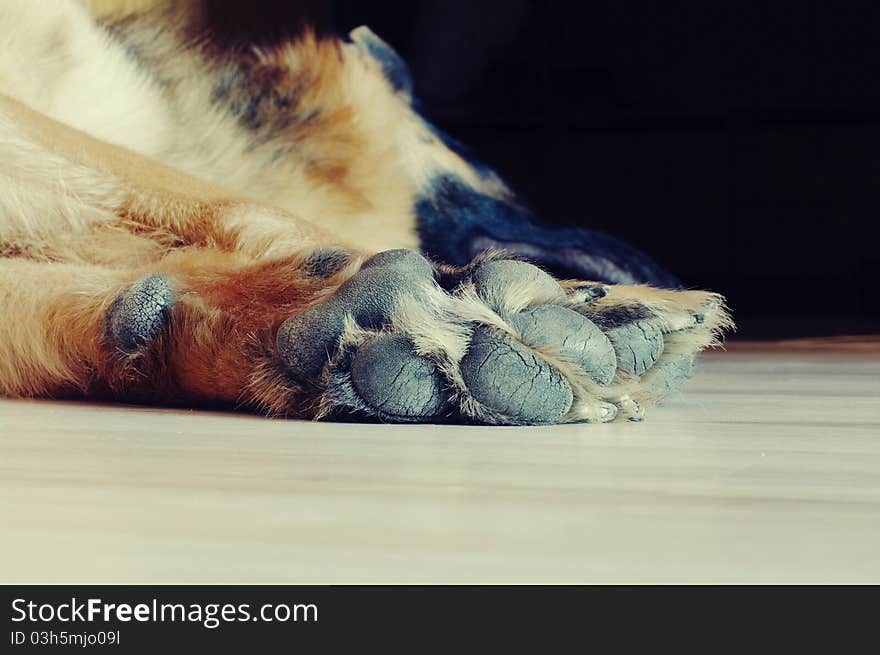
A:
(736, 142)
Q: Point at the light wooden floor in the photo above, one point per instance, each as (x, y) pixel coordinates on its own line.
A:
(768, 469)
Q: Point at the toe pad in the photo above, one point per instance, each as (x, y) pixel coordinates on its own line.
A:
(308, 340)
(575, 337)
(669, 376)
(638, 345)
(508, 378)
(393, 379)
(140, 313)
(496, 280)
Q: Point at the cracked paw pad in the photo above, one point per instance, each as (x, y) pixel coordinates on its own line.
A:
(393, 379)
(511, 380)
(669, 376)
(140, 313)
(637, 345)
(574, 337)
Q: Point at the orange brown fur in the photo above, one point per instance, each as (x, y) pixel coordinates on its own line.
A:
(231, 299)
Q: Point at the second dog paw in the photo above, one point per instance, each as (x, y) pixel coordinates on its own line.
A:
(504, 343)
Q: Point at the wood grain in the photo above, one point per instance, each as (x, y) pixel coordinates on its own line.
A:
(767, 470)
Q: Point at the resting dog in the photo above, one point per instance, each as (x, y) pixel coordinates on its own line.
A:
(187, 226)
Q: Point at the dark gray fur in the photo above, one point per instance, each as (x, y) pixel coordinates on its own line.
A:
(324, 263)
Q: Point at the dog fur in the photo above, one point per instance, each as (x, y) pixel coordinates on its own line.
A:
(256, 182)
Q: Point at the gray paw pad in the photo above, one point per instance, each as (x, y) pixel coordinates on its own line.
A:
(508, 378)
(637, 345)
(669, 376)
(392, 378)
(576, 338)
(402, 259)
(306, 341)
(140, 313)
(370, 296)
(493, 278)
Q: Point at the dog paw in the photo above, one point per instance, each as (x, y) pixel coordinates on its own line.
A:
(498, 342)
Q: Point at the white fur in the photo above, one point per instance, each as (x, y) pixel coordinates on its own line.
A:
(57, 60)
(43, 193)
